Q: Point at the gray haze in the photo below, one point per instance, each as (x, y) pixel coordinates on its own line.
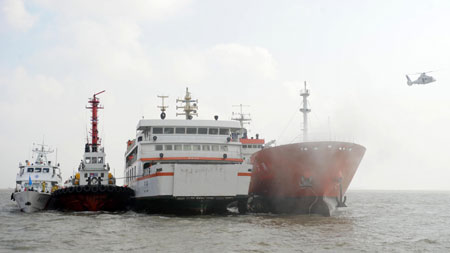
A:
(354, 55)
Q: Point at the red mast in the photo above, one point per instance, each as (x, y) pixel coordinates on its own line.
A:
(94, 101)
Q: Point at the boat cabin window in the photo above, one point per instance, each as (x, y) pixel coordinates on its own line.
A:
(196, 147)
(100, 159)
(180, 130)
(37, 170)
(168, 130)
(88, 160)
(244, 146)
(139, 138)
(206, 148)
(214, 131)
(94, 159)
(191, 130)
(215, 148)
(178, 147)
(157, 130)
(202, 130)
(224, 148)
(187, 147)
(158, 147)
(46, 170)
(168, 147)
(30, 169)
(224, 131)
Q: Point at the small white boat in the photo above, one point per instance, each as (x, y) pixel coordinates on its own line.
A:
(36, 181)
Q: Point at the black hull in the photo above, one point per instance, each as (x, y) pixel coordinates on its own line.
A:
(109, 198)
(189, 206)
(320, 205)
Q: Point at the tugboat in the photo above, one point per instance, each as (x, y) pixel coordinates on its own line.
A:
(186, 166)
(36, 181)
(310, 177)
(93, 187)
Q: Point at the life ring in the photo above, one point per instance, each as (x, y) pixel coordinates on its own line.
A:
(94, 181)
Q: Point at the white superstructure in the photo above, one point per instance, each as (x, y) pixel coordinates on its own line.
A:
(36, 181)
(187, 159)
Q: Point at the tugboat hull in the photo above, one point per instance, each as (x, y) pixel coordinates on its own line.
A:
(92, 198)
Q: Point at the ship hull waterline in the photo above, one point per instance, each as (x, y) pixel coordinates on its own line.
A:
(303, 178)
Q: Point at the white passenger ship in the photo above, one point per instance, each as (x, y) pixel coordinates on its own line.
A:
(36, 181)
(188, 166)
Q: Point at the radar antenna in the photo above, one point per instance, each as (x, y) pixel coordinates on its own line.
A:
(162, 106)
(243, 118)
(305, 110)
(41, 153)
(188, 108)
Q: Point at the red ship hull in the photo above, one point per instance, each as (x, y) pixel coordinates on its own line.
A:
(309, 177)
(92, 198)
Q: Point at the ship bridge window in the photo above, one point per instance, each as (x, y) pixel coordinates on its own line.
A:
(139, 138)
(214, 131)
(100, 159)
(158, 147)
(88, 160)
(178, 147)
(224, 148)
(191, 130)
(30, 169)
(168, 130)
(180, 130)
(37, 170)
(94, 159)
(202, 130)
(206, 148)
(168, 147)
(196, 147)
(244, 146)
(187, 147)
(46, 170)
(157, 130)
(215, 148)
(224, 131)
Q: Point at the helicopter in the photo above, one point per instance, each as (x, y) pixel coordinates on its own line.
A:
(423, 79)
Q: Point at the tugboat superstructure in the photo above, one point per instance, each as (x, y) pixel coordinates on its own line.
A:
(187, 166)
(93, 187)
(36, 181)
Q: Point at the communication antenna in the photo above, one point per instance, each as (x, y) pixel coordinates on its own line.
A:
(243, 118)
(189, 109)
(163, 107)
(305, 110)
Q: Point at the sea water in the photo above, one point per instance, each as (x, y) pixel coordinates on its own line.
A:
(374, 221)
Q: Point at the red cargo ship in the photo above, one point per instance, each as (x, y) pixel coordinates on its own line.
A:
(303, 178)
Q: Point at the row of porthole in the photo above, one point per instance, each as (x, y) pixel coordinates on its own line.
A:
(316, 148)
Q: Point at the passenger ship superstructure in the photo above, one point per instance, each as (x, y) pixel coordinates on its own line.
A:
(187, 166)
(36, 181)
(93, 187)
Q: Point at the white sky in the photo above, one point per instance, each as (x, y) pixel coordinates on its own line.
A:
(354, 54)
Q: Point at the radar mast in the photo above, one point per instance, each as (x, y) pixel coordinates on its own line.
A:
(189, 109)
(162, 106)
(305, 110)
(243, 118)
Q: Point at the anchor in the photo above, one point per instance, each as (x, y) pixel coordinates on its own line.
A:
(342, 199)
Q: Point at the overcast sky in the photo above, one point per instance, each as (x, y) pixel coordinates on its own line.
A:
(354, 55)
